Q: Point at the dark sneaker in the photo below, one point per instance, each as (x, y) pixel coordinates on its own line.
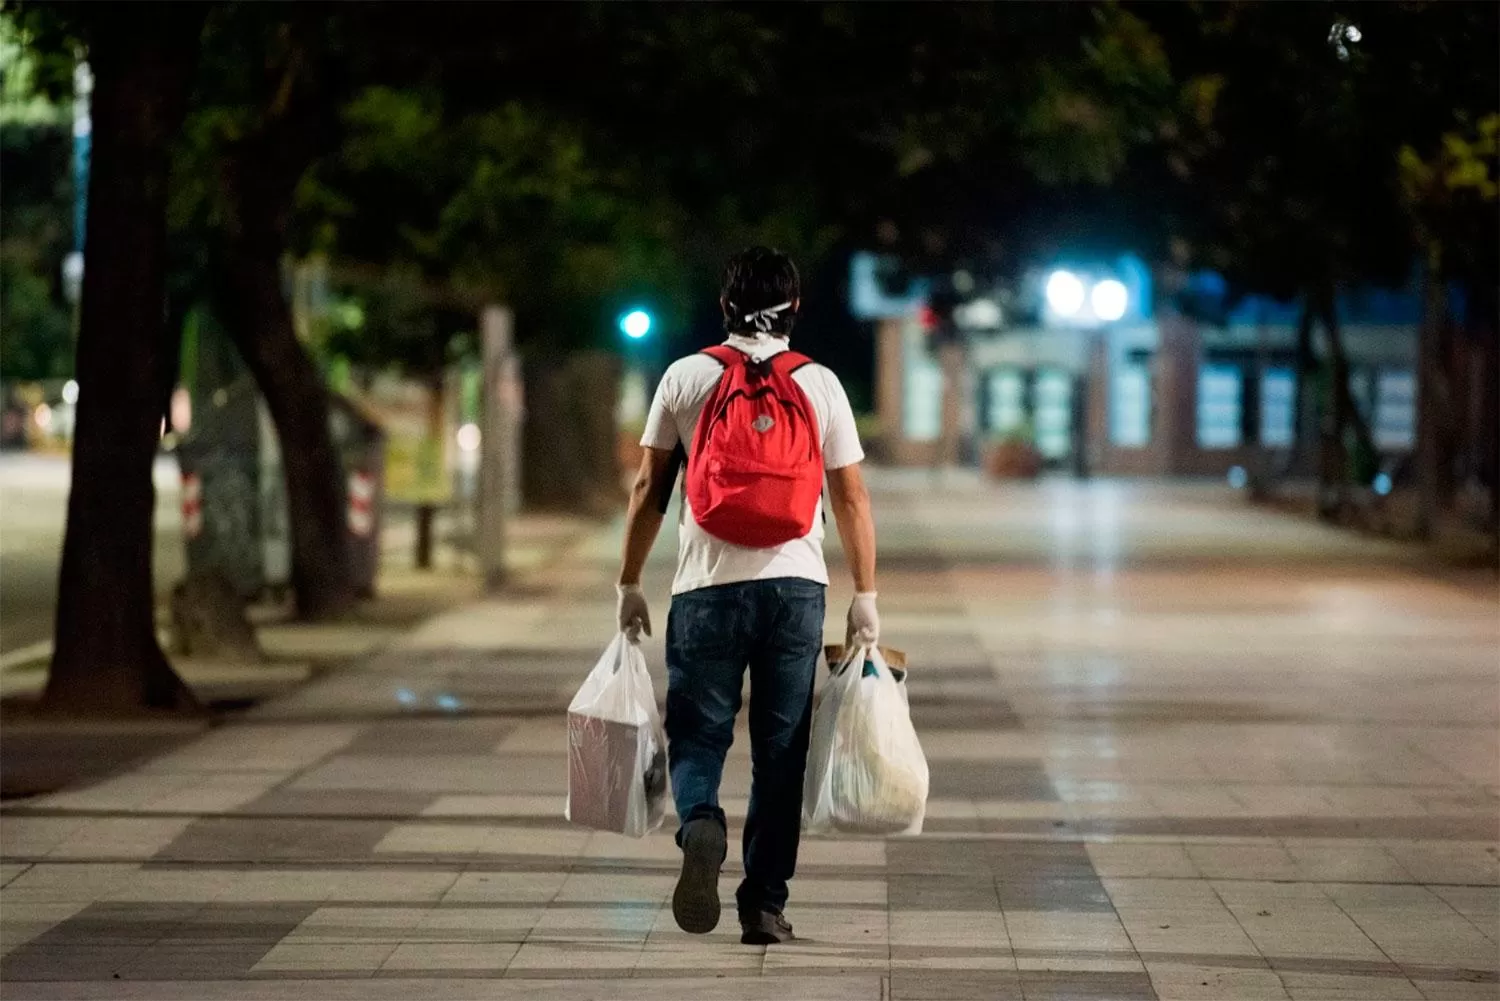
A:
(695, 902)
(765, 928)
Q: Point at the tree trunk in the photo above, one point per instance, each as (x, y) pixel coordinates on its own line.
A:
(1487, 445)
(106, 657)
(1355, 421)
(260, 173)
(1344, 417)
(437, 428)
(260, 322)
(1304, 400)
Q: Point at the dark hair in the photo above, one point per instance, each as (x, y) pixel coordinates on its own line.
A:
(755, 279)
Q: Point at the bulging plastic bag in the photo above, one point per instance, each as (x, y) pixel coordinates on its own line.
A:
(617, 749)
(866, 773)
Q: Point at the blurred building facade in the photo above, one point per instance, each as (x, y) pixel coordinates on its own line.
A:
(1185, 383)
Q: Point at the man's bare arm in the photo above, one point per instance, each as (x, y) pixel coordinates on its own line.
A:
(856, 524)
(648, 495)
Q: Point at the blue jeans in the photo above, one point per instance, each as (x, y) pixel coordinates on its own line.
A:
(775, 627)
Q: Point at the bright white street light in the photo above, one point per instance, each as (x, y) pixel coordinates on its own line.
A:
(70, 392)
(1064, 293)
(1108, 299)
(468, 438)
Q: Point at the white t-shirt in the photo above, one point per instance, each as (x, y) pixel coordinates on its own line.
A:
(703, 560)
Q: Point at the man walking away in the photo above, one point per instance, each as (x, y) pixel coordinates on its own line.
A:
(760, 426)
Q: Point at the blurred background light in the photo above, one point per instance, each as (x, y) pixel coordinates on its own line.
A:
(468, 438)
(978, 314)
(1108, 299)
(1238, 477)
(1382, 484)
(70, 392)
(181, 410)
(635, 324)
(1064, 293)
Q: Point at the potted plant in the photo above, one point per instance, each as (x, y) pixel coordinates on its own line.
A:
(1012, 454)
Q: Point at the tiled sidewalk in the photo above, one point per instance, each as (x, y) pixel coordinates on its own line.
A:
(1178, 750)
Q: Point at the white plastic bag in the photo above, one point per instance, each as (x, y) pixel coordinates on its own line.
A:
(866, 773)
(617, 750)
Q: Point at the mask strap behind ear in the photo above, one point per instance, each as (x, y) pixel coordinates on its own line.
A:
(762, 319)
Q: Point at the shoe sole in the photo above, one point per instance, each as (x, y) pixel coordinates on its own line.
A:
(695, 902)
(764, 938)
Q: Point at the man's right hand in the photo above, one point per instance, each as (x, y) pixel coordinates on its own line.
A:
(864, 621)
(632, 612)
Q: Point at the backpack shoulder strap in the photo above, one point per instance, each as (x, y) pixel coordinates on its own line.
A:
(724, 355)
(787, 362)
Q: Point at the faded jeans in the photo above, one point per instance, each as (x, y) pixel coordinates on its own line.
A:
(774, 627)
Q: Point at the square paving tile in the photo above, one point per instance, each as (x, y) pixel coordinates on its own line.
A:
(310, 957)
(956, 985)
(411, 957)
(271, 839)
(1074, 986)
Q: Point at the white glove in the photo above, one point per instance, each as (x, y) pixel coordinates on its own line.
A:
(864, 621)
(633, 614)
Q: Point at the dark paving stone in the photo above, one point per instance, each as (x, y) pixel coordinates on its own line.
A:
(1463, 828)
(339, 803)
(43, 755)
(267, 839)
(502, 663)
(196, 960)
(1028, 882)
(915, 561)
(1013, 780)
(956, 985)
(116, 924)
(66, 962)
(958, 957)
(954, 656)
(1036, 827)
(935, 672)
(1005, 861)
(1075, 896)
(962, 714)
(953, 825)
(224, 925)
(578, 973)
(906, 891)
(430, 736)
(1039, 985)
(1448, 974)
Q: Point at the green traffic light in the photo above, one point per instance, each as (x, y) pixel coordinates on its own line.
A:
(635, 324)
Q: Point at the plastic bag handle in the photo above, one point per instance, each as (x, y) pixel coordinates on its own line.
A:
(620, 659)
(853, 653)
(861, 654)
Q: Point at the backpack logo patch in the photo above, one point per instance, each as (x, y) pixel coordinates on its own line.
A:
(763, 423)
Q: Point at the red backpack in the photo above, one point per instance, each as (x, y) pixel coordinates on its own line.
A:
(755, 471)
